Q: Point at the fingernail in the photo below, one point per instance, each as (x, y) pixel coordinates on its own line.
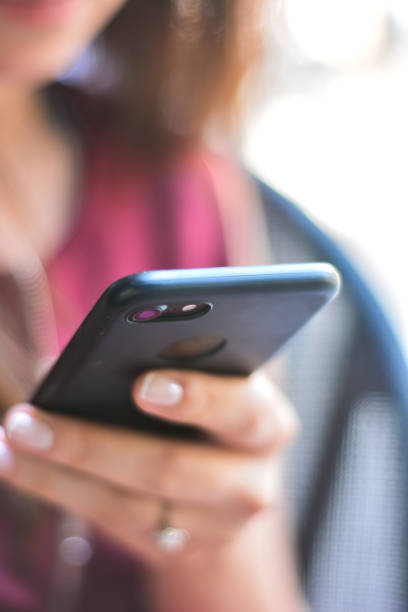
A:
(158, 389)
(22, 428)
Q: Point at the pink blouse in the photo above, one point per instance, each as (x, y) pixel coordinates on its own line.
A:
(133, 218)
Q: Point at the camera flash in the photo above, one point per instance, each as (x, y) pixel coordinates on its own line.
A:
(189, 307)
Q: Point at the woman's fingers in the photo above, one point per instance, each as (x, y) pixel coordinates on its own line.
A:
(246, 412)
(97, 502)
(238, 483)
(133, 519)
(117, 479)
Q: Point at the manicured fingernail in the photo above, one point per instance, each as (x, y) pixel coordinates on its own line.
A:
(158, 389)
(22, 428)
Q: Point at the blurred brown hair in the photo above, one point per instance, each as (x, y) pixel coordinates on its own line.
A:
(181, 64)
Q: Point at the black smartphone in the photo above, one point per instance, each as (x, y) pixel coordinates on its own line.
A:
(225, 320)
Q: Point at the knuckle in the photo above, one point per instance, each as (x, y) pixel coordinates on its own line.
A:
(251, 501)
(197, 397)
(262, 388)
(161, 476)
(252, 426)
(256, 488)
(276, 408)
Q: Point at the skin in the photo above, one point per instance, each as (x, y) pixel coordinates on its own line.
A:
(227, 493)
(32, 54)
(214, 488)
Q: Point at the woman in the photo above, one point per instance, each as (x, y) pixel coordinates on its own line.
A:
(110, 178)
(92, 183)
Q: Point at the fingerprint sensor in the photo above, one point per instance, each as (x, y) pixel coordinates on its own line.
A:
(192, 348)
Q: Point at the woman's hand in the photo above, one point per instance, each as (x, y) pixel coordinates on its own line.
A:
(120, 480)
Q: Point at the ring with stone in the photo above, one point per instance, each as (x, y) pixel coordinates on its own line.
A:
(169, 538)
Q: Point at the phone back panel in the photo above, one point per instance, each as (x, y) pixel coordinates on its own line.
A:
(254, 311)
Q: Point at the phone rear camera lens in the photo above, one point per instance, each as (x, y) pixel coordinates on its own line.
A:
(168, 312)
(149, 314)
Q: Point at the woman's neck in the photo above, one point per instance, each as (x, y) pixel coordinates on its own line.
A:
(21, 116)
(39, 167)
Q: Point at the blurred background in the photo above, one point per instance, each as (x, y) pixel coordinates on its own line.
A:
(331, 131)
